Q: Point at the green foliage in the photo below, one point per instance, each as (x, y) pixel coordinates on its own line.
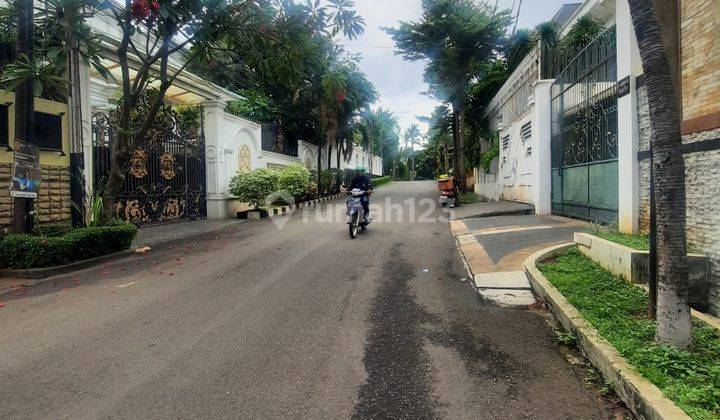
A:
(639, 242)
(291, 70)
(92, 206)
(294, 179)
(381, 181)
(59, 28)
(255, 187)
(325, 185)
(255, 105)
(469, 198)
(29, 251)
(448, 36)
(582, 33)
(190, 118)
(566, 338)
(52, 230)
(494, 151)
(618, 310)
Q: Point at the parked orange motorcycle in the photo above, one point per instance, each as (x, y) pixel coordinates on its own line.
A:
(449, 191)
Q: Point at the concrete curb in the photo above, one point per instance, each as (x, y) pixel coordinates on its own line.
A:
(519, 212)
(643, 398)
(45, 272)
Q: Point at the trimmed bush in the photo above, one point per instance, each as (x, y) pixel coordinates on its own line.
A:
(381, 181)
(294, 179)
(254, 187)
(28, 251)
(326, 181)
(312, 191)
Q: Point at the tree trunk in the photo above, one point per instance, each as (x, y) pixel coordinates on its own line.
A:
(459, 139)
(319, 164)
(115, 180)
(674, 325)
(329, 155)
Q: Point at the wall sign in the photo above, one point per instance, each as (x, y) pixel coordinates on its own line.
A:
(623, 86)
(27, 174)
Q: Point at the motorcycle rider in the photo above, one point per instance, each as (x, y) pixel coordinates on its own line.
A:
(362, 182)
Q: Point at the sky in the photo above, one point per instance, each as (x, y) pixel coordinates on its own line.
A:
(400, 83)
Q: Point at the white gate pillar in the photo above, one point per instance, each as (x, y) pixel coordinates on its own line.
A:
(215, 176)
(542, 194)
(628, 66)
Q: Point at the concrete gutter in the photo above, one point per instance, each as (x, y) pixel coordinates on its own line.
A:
(643, 398)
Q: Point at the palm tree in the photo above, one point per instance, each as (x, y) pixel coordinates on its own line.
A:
(673, 312)
(412, 134)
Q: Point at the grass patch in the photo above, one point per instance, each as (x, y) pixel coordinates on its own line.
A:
(639, 242)
(618, 310)
(469, 198)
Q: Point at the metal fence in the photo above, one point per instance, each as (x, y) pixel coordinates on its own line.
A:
(512, 100)
(584, 140)
(165, 177)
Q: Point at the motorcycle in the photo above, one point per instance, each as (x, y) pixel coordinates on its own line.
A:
(448, 191)
(356, 217)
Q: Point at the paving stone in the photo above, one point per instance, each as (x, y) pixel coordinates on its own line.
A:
(508, 297)
(502, 280)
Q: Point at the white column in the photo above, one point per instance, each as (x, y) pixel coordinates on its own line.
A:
(215, 160)
(628, 64)
(542, 195)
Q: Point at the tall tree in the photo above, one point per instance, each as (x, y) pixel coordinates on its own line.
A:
(455, 37)
(411, 137)
(673, 311)
(152, 32)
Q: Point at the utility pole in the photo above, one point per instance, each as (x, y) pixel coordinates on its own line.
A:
(77, 160)
(24, 110)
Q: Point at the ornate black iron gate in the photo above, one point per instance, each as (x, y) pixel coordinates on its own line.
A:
(584, 134)
(165, 177)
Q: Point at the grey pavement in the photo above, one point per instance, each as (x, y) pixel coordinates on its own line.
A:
(166, 232)
(491, 208)
(298, 322)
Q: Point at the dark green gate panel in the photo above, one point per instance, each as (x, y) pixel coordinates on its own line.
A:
(584, 134)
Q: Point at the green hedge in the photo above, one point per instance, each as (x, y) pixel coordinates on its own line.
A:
(381, 181)
(28, 251)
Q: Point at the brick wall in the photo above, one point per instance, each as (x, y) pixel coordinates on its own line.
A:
(702, 184)
(53, 203)
(700, 55)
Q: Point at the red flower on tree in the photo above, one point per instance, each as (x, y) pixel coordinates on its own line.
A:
(341, 96)
(140, 9)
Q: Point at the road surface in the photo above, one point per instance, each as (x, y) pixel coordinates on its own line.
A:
(298, 322)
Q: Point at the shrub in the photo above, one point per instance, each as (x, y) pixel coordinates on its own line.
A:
(294, 179)
(254, 187)
(28, 251)
(312, 190)
(381, 181)
(326, 180)
(53, 230)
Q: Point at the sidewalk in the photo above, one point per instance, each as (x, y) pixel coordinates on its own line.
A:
(494, 249)
(158, 234)
(492, 208)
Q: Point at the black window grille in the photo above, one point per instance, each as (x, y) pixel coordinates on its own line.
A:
(48, 131)
(526, 131)
(506, 142)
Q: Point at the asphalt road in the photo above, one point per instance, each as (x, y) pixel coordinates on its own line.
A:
(298, 322)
